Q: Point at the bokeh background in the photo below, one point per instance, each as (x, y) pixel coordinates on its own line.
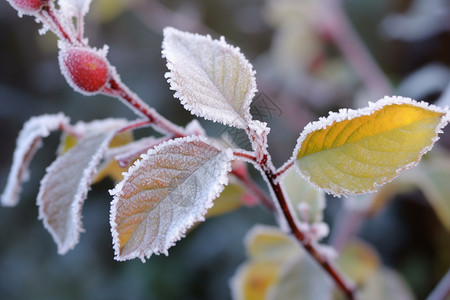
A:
(300, 72)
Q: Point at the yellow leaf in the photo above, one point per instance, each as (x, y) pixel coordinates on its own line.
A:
(355, 151)
(255, 279)
(269, 251)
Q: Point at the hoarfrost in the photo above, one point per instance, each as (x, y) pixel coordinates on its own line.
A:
(28, 143)
(212, 79)
(164, 194)
(65, 187)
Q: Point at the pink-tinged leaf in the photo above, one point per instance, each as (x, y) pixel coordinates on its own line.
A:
(164, 194)
(65, 186)
(28, 143)
(211, 78)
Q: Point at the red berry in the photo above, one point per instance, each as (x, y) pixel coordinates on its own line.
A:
(28, 6)
(84, 69)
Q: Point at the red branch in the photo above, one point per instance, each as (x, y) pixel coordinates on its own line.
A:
(306, 243)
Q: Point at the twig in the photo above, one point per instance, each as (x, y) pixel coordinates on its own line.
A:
(118, 89)
(264, 163)
(301, 237)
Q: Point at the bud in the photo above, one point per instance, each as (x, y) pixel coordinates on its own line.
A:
(28, 7)
(84, 69)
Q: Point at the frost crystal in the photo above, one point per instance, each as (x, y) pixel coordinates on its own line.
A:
(65, 186)
(164, 194)
(27, 144)
(212, 79)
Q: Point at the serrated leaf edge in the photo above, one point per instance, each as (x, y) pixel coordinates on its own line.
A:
(349, 114)
(80, 196)
(168, 31)
(18, 172)
(116, 193)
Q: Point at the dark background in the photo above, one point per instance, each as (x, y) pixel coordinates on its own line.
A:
(406, 232)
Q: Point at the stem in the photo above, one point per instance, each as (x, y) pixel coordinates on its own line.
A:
(301, 237)
(245, 155)
(117, 89)
(136, 124)
(48, 16)
(351, 46)
(264, 163)
(442, 290)
(283, 169)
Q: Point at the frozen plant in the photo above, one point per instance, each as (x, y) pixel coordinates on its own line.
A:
(172, 181)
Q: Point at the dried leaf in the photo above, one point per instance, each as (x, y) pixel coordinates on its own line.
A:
(65, 186)
(355, 151)
(164, 194)
(212, 79)
(28, 142)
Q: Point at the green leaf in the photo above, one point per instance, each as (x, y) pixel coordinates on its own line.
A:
(355, 151)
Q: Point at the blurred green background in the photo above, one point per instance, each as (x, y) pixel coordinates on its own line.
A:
(406, 232)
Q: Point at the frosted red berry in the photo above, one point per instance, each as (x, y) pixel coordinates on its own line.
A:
(84, 69)
(28, 6)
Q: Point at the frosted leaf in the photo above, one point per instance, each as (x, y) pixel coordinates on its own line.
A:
(211, 78)
(99, 126)
(28, 142)
(164, 194)
(356, 151)
(75, 8)
(65, 186)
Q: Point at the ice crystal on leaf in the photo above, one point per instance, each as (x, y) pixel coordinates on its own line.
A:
(66, 183)
(164, 194)
(28, 142)
(355, 151)
(212, 79)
